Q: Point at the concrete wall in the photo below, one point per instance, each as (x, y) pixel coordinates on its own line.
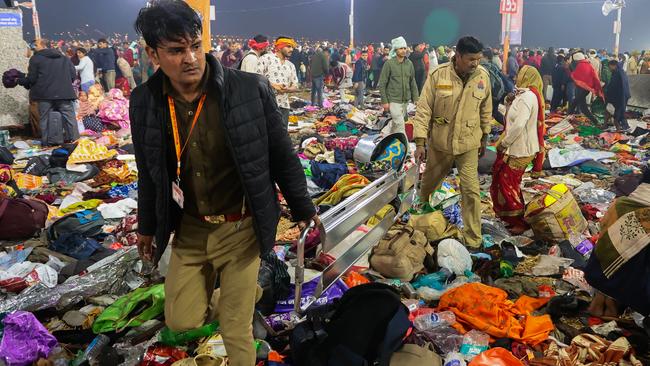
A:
(14, 103)
(640, 90)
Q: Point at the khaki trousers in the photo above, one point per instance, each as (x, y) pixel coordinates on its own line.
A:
(202, 252)
(438, 166)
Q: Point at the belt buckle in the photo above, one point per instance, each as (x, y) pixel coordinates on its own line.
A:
(215, 219)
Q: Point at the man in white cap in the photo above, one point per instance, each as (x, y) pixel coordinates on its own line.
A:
(397, 84)
(595, 61)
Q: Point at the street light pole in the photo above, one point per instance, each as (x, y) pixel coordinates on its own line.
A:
(351, 24)
(617, 30)
(37, 25)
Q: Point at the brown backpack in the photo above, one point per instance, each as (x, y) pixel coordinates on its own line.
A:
(21, 218)
(400, 253)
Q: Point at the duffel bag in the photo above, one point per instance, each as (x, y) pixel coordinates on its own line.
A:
(400, 253)
(88, 223)
(21, 218)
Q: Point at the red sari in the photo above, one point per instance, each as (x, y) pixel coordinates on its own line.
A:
(507, 173)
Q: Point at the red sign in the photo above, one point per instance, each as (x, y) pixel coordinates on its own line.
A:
(508, 7)
(516, 24)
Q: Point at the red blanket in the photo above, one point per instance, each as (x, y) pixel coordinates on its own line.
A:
(585, 77)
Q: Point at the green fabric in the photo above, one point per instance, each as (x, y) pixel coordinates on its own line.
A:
(598, 108)
(119, 315)
(585, 131)
(397, 82)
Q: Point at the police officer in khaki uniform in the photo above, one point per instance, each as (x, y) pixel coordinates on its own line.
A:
(453, 120)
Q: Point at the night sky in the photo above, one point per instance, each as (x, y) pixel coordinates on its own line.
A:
(559, 23)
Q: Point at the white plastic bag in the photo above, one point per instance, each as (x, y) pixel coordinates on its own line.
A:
(453, 255)
(550, 265)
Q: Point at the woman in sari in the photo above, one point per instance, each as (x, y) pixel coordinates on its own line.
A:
(619, 267)
(521, 143)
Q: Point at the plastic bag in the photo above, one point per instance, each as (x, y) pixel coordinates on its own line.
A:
(550, 265)
(105, 276)
(453, 256)
(25, 339)
(119, 315)
(496, 357)
(355, 279)
(445, 338)
(588, 193)
(334, 292)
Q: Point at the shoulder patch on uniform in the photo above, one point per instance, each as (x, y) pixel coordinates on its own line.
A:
(481, 85)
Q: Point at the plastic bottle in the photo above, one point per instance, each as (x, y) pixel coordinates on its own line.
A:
(94, 350)
(454, 359)
(474, 343)
(413, 304)
(434, 320)
(171, 338)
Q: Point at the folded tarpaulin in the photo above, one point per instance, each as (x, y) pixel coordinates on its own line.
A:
(488, 309)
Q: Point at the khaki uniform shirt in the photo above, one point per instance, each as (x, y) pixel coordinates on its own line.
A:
(455, 114)
(209, 178)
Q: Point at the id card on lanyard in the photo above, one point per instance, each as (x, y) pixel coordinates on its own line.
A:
(177, 192)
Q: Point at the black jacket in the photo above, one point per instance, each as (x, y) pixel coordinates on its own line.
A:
(548, 64)
(50, 76)
(103, 58)
(255, 134)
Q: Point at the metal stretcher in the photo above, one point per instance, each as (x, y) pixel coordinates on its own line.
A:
(342, 220)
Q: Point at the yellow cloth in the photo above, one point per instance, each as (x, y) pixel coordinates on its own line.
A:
(89, 151)
(83, 205)
(284, 42)
(346, 186)
(122, 172)
(27, 181)
(380, 215)
(529, 76)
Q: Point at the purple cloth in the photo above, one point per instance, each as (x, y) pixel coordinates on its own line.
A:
(334, 292)
(25, 339)
(10, 78)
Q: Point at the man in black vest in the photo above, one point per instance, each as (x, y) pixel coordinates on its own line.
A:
(210, 146)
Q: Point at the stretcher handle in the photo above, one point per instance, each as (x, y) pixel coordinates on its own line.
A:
(300, 267)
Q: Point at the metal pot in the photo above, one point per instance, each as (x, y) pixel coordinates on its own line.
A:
(371, 146)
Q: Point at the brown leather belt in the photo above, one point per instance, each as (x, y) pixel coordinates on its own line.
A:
(220, 219)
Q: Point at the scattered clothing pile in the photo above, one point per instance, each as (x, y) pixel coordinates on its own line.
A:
(73, 288)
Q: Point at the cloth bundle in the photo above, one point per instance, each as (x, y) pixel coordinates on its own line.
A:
(114, 111)
(10, 78)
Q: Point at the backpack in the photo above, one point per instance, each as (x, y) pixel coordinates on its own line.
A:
(250, 52)
(496, 81)
(400, 253)
(365, 327)
(38, 165)
(6, 157)
(88, 223)
(21, 218)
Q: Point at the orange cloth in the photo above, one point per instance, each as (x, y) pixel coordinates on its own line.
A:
(488, 309)
(496, 357)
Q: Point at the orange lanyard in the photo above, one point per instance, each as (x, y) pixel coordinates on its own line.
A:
(177, 139)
